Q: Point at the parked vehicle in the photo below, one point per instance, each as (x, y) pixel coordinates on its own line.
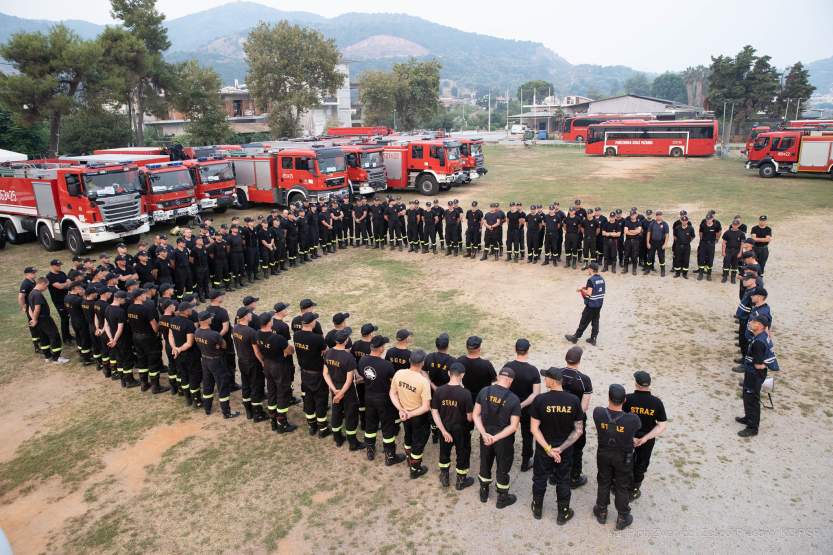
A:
(785, 152)
(214, 183)
(675, 138)
(471, 153)
(576, 128)
(427, 165)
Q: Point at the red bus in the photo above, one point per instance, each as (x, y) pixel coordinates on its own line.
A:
(575, 128)
(674, 138)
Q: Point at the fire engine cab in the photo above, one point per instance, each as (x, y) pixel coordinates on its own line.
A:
(471, 153)
(427, 165)
(784, 152)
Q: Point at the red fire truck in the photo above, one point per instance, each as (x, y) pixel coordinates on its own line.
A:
(575, 128)
(426, 165)
(784, 152)
(357, 131)
(471, 153)
(283, 175)
(793, 125)
(63, 203)
(214, 182)
(673, 138)
(365, 169)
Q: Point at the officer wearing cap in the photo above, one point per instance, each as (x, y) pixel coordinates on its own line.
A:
(377, 374)
(681, 247)
(275, 355)
(616, 430)
(410, 393)
(762, 235)
(25, 289)
(515, 223)
(756, 299)
(306, 305)
(552, 227)
(289, 224)
(392, 224)
(361, 223)
(474, 223)
(572, 242)
(436, 366)
(590, 230)
(557, 421)
(534, 222)
(99, 311)
(526, 385)
(58, 289)
(339, 371)
(90, 296)
(593, 294)
(181, 262)
(493, 231)
(310, 347)
(451, 410)
(244, 337)
(429, 229)
(412, 215)
(142, 319)
(119, 340)
(73, 302)
(611, 234)
(214, 370)
(497, 415)
(657, 240)
(165, 317)
(730, 247)
(378, 222)
(632, 229)
(760, 358)
(400, 355)
(709, 232)
(339, 323)
(163, 270)
(221, 323)
(452, 221)
(479, 371)
(361, 347)
(250, 248)
(651, 413)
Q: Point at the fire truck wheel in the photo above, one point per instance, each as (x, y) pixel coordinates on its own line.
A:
(46, 239)
(12, 236)
(427, 184)
(242, 200)
(74, 241)
(220, 209)
(767, 170)
(676, 152)
(295, 197)
(610, 151)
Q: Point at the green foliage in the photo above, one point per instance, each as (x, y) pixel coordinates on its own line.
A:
(748, 81)
(669, 86)
(141, 18)
(196, 95)
(411, 88)
(290, 68)
(30, 140)
(537, 89)
(796, 88)
(93, 128)
(638, 84)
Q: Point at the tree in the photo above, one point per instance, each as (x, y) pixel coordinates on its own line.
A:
(696, 81)
(197, 95)
(536, 89)
(290, 69)
(747, 82)
(51, 69)
(796, 90)
(638, 84)
(411, 89)
(30, 140)
(91, 128)
(144, 22)
(669, 86)
(123, 68)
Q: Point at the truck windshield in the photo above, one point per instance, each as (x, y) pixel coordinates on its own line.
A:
(761, 142)
(476, 149)
(112, 183)
(331, 163)
(453, 153)
(372, 160)
(166, 182)
(212, 173)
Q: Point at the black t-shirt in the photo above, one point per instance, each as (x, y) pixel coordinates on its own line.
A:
(616, 429)
(310, 347)
(684, 235)
(164, 272)
(759, 232)
(272, 346)
(492, 218)
(557, 411)
(339, 363)
(115, 315)
(454, 403)
(297, 326)
(479, 374)
(526, 376)
(709, 232)
(57, 294)
(244, 338)
(26, 287)
(497, 406)
(181, 328)
(576, 382)
(572, 224)
(377, 373)
(209, 342)
(281, 328)
(330, 339)
(400, 358)
(647, 407)
(181, 259)
(360, 348)
(630, 225)
(139, 317)
(99, 310)
(513, 219)
(220, 317)
(437, 365)
(733, 238)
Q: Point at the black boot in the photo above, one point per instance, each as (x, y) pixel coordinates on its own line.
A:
(600, 513)
(174, 384)
(733, 277)
(504, 499)
(685, 274)
(448, 251)
(468, 253)
(484, 491)
(624, 268)
(456, 251)
(537, 506)
(565, 513)
(725, 276)
(571, 338)
(206, 404)
(434, 249)
(417, 468)
(371, 449)
(156, 387)
(227, 412)
(353, 443)
(313, 427)
(677, 274)
(247, 406)
(604, 269)
(324, 429)
(613, 268)
(573, 265)
(633, 270)
(187, 396)
(509, 257)
(143, 378)
(391, 456)
(623, 521)
(259, 413)
(546, 261)
(485, 256)
(463, 481)
(700, 275)
(338, 437)
(708, 275)
(444, 479)
(127, 380)
(284, 426)
(497, 256)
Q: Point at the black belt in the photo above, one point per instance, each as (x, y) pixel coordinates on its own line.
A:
(211, 358)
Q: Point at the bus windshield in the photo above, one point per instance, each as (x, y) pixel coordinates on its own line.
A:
(112, 183)
(212, 173)
(166, 182)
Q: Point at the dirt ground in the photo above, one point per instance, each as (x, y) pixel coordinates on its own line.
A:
(185, 483)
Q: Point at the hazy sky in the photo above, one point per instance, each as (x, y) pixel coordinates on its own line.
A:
(650, 35)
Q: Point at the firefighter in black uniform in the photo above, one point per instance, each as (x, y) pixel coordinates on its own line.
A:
(214, 370)
(58, 287)
(182, 268)
(710, 229)
(377, 374)
(142, 319)
(310, 347)
(651, 413)
(359, 349)
(251, 371)
(119, 340)
(572, 226)
(186, 353)
(250, 242)
(275, 354)
(474, 223)
(392, 224)
(657, 240)
(338, 225)
(452, 221)
(290, 225)
(683, 236)
(611, 234)
(218, 253)
(614, 458)
(552, 235)
(74, 302)
(534, 221)
(439, 215)
(493, 224)
(730, 247)
(429, 228)
(458, 225)
(222, 325)
(279, 247)
(451, 410)
(557, 422)
(412, 219)
(237, 256)
(632, 229)
(99, 311)
(165, 310)
(590, 229)
(88, 307)
(201, 266)
(361, 223)
(515, 223)
(326, 233)
(313, 230)
(497, 416)
(339, 370)
(378, 221)
(762, 235)
(579, 384)
(266, 245)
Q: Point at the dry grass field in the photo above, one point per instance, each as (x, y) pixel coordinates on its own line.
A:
(88, 467)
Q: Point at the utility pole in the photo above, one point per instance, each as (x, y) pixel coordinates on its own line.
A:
(490, 109)
(723, 140)
(787, 109)
(797, 106)
(507, 111)
(394, 119)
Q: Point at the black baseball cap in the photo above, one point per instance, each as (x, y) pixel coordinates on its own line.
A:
(442, 341)
(508, 372)
(183, 306)
(280, 307)
(340, 317)
(248, 299)
(474, 342)
(216, 294)
(573, 355)
(343, 335)
(403, 334)
(243, 311)
(55, 262)
(642, 378)
(762, 218)
(457, 368)
(120, 294)
(367, 329)
(763, 319)
(760, 291)
(521, 345)
(378, 341)
(307, 303)
(30, 270)
(148, 285)
(553, 372)
(309, 317)
(204, 315)
(616, 393)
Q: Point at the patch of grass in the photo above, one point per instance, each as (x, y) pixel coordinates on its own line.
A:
(101, 536)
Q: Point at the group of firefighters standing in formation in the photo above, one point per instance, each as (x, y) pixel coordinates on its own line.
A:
(123, 315)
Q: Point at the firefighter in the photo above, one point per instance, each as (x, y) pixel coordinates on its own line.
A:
(439, 215)
(266, 245)
(491, 222)
(458, 225)
(338, 226)
(451, 410)
(552, 230)
(88, 307)
(275, 354)
(290, 226)
(515, 223)
(250, 243)
(761, 234)
(279, 246)
(201, 269)
(251, 370)
(99, 311)
(218, 254)
(412, 218)
(709, 231)
(214, 370)
(74, 302)
(222, 325)
(632, 229)
(557, 423)
(497, 415)
(651, 413)
(429, 229)
(730, 246)
(534, 221)
(646, 222)
(683, 236)
(361, 222)
(181, 263)
(314, 230)
(572, 226)
(237, 256)
(58, 288)
(186, 354)
(377, 374)
(349, 225)
(452, 222)
(310, 347)
(119, 340)
(590, 229)
(593, 294)
(526, 385)
(142, 319)
(392, 224)
(361, 348)
(758, 361)
(474, 223)
(611, 233)
(657, 240)
(410, 393)
(423, 236)
(339, 373)
(166, 315)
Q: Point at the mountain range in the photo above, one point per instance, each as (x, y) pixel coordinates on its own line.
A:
(214, 37)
